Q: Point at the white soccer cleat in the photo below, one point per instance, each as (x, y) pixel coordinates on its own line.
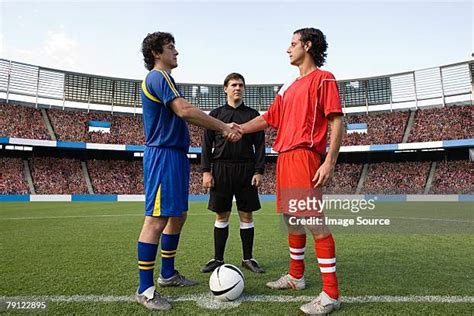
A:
(287, 282)
(152, 300)
(321, 305)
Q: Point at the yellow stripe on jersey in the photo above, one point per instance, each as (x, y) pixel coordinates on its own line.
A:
(157, 208)
(170, 83)
(148, 94)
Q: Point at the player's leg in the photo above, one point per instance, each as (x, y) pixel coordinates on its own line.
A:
(147, 249)
(294, 279)
(325, 250)
(328, 300)
(148, 240)
(169, 244)
(288, 182)
(173, 203)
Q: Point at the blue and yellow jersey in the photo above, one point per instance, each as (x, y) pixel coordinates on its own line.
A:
(163, 128)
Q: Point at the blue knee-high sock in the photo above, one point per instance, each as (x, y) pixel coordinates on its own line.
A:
(146, 264)
(169, 244)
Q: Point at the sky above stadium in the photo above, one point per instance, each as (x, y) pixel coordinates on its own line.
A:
(366, 38)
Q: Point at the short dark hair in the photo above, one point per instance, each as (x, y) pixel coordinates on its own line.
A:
(318, 44)
(233, 76)
(154, 42)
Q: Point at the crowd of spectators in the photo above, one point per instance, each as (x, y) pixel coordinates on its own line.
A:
(12, 179)
(269, 179)
(116, 176)
(57, 176)
(396, 178)
(382, 128)
(270, 136)
(453, 177)
(195, 135)
(64, 176)
(22, 122)
(345, 179)
(195, 180)
(74, 126)
(451, 122)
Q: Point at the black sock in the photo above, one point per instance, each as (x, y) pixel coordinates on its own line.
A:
(221, 232)
(246, 235)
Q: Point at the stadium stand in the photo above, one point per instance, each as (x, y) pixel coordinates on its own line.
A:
(269, 179)
(345, 179)
(57, 176)
(396, 178)
(116, 176)
(74, 126)
(382, 128)
(12, 179)
(22, 122)
(454, 177)
(195, 135)
(270, 136)
(64, 176)
(195, 180)
(451, 122)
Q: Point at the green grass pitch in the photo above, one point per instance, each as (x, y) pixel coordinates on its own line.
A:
(51, 249)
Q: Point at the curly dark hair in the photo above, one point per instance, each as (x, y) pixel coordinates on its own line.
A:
(154, 42)
(318, 44)
(233, 76)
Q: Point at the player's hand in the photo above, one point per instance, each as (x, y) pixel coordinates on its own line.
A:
(257, 180)
(207, 180)
(233, 132)
(323, 175)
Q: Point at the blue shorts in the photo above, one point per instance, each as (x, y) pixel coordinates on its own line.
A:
(166, 180)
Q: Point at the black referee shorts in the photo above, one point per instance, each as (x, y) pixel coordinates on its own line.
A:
(231, 179)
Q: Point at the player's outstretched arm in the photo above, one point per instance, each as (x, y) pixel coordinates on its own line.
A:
(195, 116)
(325, 172)
(255, 125)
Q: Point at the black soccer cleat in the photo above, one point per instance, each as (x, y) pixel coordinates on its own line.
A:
(212, 265)
(252, 265)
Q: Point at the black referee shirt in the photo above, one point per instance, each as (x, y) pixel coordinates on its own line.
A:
(251, 148)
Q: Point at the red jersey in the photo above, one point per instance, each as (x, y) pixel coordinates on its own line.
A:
(300, 109)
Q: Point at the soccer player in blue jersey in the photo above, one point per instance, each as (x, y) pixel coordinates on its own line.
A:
(166, 167)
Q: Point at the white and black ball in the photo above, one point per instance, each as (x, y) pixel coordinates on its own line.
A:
(226, 282)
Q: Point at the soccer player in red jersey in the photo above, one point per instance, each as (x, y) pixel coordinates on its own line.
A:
(301, 113)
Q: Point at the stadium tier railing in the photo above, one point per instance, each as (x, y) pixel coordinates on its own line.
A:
(12, 143)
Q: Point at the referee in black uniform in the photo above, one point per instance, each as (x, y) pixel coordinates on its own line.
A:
(237, 169)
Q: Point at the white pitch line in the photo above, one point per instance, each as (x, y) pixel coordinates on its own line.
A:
(250, 298)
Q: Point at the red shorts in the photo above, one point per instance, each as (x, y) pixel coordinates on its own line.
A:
(295, 190)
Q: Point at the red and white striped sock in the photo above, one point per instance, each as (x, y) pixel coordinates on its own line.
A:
(326, 254)
(297, 245)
